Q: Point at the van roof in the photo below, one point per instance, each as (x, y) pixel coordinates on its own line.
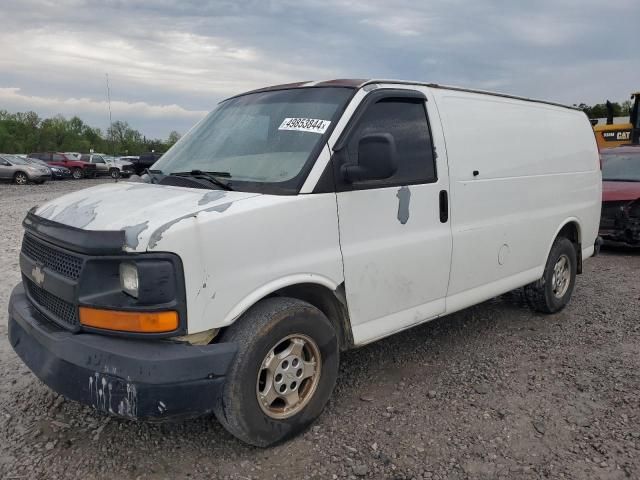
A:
(359, 82)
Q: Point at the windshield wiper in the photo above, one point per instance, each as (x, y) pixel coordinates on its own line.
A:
(620, 180)
(211, 176)
(154, 175)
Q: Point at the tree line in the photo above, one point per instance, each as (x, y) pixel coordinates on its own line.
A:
(599, 110)
(26, 132)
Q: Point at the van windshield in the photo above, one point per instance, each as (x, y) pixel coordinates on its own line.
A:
(264, 141)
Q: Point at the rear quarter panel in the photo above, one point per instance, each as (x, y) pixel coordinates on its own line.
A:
(538, 168)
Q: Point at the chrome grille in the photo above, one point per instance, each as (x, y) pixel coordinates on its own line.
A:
(64, 263)
(58, 310)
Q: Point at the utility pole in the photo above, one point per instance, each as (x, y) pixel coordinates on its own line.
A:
(110, 130)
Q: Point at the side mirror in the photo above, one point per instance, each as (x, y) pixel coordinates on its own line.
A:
(376, 159)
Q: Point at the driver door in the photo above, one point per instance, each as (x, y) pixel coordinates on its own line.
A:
(101, 165)
(6, 170)
(394, 232)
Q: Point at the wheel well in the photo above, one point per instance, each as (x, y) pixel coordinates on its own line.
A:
(332, 303)
(571, 231)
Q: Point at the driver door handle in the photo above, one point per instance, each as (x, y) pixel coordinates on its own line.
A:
(444, 206)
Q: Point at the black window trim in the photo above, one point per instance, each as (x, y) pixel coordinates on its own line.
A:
(339, 148)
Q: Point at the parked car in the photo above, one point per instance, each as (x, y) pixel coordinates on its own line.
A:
(294, 223)
(79, 169)
(620, 220)
(144, 161)
(57, 172)
(20, 171)
(126, 166)
(106, 165)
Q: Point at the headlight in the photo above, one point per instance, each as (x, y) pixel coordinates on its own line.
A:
(129, 278)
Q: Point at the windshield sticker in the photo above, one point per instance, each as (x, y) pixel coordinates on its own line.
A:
(305, 125)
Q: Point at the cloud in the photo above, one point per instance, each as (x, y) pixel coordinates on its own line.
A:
(166, 58)
(156, 118)
(75, 106)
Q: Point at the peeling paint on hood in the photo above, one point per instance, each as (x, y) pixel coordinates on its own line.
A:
(143, 211)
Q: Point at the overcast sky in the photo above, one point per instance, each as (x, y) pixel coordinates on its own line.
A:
(170, 61)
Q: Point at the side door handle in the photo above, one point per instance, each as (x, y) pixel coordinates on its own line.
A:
(444, 206)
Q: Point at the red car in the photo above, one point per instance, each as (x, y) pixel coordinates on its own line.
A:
(620, 220)
(79, 169)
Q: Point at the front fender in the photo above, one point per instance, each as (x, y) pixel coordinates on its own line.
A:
(234, 257)
(266, 290)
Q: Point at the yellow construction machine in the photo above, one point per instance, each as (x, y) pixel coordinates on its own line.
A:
(615, 135)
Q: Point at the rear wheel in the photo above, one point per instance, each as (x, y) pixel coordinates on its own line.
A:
(20, 178)
(115, 173)
(283, 374)
(76, 173)
(553, 291)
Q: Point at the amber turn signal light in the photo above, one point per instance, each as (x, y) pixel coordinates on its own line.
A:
(138, 322)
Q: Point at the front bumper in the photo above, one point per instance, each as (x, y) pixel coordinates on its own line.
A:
(60, 175)
(136, 379)
(39, 177)
(627, 233)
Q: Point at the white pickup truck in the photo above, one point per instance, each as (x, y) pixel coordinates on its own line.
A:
(293, 223)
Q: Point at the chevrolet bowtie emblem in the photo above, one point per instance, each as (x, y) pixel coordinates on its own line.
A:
(38, 275)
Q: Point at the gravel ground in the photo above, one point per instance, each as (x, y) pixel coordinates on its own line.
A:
(494, 391)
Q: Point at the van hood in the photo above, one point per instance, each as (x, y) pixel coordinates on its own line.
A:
(143, 211)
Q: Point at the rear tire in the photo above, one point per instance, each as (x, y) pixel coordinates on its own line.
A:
(553, 291)
(76, 173)
(20, 178)
(278, 339)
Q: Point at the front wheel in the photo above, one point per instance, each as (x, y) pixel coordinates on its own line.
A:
(20, 178)
(553, 291)
(115, 173)
(76, 173)
(283, 374)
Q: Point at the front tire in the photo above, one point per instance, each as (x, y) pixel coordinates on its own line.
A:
(76, 173)
(20, 178)
(283, 374)
(115, 173)
(553, 291)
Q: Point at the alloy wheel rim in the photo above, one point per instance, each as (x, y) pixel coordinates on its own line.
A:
(21, 179)
(561, 277)
(288, 376)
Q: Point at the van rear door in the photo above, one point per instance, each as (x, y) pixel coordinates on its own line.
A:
(394, 233)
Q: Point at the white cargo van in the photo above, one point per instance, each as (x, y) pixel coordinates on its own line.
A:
(291, 224)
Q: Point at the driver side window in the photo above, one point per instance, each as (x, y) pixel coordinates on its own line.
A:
(405, 119)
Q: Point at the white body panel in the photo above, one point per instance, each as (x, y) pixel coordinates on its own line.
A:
(538, 170)
(236, 247)
(396, 273)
